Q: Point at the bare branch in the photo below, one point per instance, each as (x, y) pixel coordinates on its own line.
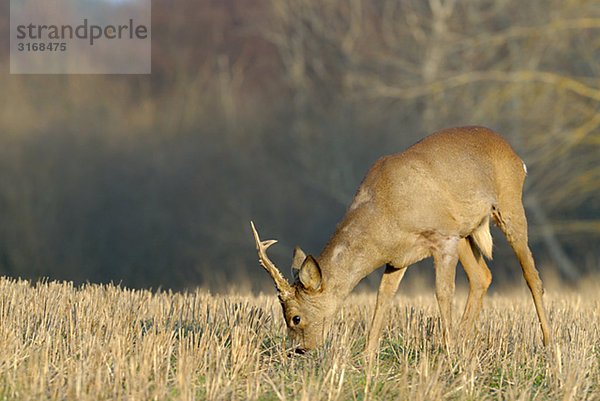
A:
(379, 89)
(529, 31)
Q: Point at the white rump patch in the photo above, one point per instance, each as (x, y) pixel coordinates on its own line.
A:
(483, 238)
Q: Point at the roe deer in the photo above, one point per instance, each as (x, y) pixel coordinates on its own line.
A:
(434, 199)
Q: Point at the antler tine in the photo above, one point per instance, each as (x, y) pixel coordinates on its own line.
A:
(261, 246)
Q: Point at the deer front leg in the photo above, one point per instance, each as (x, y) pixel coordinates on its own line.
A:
(389, 284)
(445, 259)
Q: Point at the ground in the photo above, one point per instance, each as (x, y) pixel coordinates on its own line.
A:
(59, 341)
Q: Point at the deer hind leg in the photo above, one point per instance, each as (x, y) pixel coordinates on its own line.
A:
(510, 217)
(445, 257)
(389, 284)
(480, 278)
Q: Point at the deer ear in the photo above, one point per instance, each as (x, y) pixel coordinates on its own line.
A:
(299, 257)
(310, 274)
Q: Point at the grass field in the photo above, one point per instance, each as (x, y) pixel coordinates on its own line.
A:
(61, 342)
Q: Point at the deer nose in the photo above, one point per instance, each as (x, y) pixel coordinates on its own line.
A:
(300, 351)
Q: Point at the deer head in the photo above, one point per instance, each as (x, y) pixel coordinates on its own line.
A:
(306, 306)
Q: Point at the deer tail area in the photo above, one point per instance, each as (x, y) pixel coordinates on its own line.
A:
(483, 239)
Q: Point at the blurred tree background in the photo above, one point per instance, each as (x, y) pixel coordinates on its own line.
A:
(273, 110)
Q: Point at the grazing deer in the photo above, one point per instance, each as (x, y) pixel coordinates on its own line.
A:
(434, 199)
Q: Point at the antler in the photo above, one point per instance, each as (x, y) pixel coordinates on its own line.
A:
(261, 246)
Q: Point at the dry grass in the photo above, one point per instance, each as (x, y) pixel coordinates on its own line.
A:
(97, 342)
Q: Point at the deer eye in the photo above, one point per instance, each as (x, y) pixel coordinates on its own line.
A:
(296, 320)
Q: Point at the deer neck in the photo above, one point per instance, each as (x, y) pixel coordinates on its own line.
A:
(350, 255)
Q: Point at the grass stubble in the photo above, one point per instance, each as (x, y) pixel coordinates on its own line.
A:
(106, 342)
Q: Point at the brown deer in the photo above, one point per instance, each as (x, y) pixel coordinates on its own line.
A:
(434, 199)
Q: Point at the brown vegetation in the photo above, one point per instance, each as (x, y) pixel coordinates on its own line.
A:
(99, 342)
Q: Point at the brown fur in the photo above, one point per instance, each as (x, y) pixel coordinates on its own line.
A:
(434, 199)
